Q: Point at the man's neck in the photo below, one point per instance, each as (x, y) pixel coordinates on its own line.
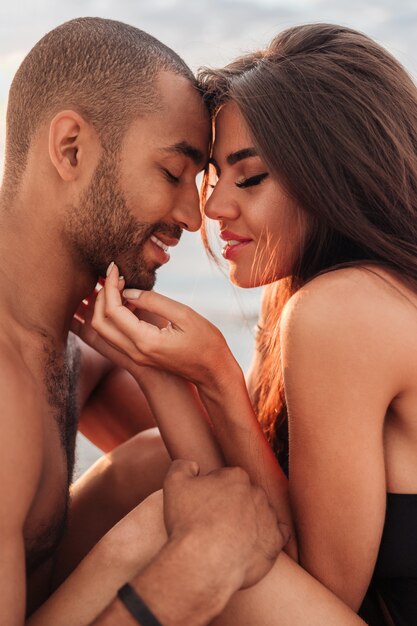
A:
(41, 283)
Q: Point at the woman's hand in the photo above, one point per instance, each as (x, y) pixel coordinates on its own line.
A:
(189, 345)
(83, 328)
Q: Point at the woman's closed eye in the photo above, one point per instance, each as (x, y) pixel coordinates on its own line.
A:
(251, 181)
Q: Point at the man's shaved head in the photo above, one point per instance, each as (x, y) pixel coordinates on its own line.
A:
(103, 69)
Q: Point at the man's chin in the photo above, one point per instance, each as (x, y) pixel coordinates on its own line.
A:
(145, 282)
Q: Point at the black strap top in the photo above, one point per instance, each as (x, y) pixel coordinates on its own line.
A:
(392, 597)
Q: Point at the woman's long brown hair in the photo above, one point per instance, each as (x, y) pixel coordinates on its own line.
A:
(334, 117)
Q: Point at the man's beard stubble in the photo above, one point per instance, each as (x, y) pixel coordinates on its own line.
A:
(102, 229)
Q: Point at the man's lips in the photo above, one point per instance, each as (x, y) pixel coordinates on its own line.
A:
(161, 244)
(165, 239)
(234, 244)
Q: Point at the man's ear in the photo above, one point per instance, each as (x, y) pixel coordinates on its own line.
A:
(67, 134)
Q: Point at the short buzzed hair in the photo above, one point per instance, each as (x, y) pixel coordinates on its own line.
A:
(103, 69)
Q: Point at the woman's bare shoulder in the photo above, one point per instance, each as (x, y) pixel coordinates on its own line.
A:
(365, 319)
(355, 313)
(362, 294)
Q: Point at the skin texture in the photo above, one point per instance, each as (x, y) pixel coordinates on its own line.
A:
(349, 377)
(365, 405)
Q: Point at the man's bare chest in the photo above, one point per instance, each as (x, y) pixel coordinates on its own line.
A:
(46, 520)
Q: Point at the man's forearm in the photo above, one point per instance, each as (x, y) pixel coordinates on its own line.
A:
(179, 587)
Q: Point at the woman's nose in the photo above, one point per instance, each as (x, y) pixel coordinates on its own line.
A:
(221, 205)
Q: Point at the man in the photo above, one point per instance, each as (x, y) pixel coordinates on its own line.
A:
(105, 135)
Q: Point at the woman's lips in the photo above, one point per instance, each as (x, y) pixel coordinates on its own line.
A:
(233, 247)
(234, 244)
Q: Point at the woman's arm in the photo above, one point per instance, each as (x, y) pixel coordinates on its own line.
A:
(181, 418)
(242, 440)
(341, 371)
(192, 346)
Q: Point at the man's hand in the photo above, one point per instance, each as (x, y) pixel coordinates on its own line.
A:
(222, 536)
(233, 524)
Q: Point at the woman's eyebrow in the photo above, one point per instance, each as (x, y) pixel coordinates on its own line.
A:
(235, 157)
(245, 153)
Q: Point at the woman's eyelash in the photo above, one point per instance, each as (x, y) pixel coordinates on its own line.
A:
(252, 181)
(170, 177)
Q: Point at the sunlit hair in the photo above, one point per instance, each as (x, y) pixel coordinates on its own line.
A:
(334, 117)
(103, 69)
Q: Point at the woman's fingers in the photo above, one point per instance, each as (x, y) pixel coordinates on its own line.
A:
(160, 305)
(147, 343)
(142, 334)
(108, 329)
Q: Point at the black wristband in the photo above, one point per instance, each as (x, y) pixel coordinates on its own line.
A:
(136, 606)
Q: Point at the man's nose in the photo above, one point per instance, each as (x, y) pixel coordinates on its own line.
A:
(187, 214)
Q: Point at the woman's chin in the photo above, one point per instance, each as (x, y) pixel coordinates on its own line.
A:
(242, 279)
(249, 280)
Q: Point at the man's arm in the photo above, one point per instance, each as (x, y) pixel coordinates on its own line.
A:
(176, 589)
(209, 556)
(223, 535)
(220, 516)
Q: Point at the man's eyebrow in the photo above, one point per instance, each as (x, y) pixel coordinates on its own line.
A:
(245, 153)
(183, 147)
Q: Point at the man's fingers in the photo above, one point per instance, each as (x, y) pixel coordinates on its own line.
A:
(285, 532)
(181, 469)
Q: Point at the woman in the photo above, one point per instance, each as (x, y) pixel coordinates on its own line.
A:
(315, 156)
